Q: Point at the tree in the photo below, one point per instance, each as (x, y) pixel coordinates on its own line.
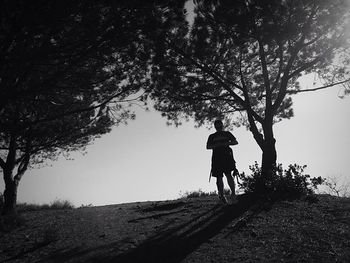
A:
(66, 69)
(241, 60)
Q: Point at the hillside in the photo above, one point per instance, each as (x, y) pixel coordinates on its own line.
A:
(185, 230)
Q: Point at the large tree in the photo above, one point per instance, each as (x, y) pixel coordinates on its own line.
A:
(67, 69)
(241, 60)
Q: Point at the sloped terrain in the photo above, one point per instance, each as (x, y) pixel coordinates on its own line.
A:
(185, 230)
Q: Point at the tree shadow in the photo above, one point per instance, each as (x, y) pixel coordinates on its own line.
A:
(174, 244)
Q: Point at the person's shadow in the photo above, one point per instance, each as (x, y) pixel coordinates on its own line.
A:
(175, 244)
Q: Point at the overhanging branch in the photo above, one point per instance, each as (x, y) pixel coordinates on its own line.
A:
(2, 163)
(295, 50)
(55, 117)
(207, 70)
(319, 88)
(215, 76)
(309, 64)
(262, 56)
(280, 67)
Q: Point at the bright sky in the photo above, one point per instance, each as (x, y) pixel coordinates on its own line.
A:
(147, 160)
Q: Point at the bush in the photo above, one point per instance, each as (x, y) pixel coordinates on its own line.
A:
(85, 206)
(200, 193)
(58, 204)
(338, 186)
(61, 205)
(280, 184)
(196, 194)
(55, 205)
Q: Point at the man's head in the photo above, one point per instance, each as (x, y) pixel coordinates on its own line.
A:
(218, 125)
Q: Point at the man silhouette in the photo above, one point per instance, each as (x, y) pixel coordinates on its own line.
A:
(222, 161)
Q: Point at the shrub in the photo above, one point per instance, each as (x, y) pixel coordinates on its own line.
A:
(55, 205)
(338, 186)
(200, 193)
(280, 184)
(85, 206)
(61, 204)
(25, 207)
(195, 194)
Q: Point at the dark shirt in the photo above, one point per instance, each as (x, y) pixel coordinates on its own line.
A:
(221, 137)
(222, 160)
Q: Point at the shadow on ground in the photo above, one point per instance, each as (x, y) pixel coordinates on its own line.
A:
(172, 244)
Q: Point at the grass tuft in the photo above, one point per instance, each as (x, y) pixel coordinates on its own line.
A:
(58, 204)
(200, 193)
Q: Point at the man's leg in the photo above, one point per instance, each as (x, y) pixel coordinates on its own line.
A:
(230, 182)
(220, 185)
(232, 185)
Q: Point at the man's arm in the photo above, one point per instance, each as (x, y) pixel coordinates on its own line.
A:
(232, 140)
(209, 143)
(218, 144)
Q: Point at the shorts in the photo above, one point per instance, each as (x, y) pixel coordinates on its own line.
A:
(222, 164)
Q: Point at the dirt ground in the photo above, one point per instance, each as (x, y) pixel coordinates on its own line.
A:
(186, 230)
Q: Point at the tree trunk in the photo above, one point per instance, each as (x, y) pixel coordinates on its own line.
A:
(269, 155)
(10, 194)
(266, 142)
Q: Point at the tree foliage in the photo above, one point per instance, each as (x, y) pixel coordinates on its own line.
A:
(68, 71)
(248, 55)
(241, 60)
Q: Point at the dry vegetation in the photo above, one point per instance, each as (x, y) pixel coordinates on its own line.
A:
(185, 230)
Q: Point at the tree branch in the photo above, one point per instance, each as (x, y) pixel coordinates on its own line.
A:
(280, 68)
(242, 102)
(55, 117)
(254, 129)
(11, 156)
(23, 164)
(309, 64)
(65, 135)
(206, 69)
(319, 88)
(286, 76)
(2, 163)
(262, 56)
(251, 114)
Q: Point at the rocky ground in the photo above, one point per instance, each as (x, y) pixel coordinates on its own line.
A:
(185, 230)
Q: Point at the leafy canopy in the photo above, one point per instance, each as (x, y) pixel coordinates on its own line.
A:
(241, 59)
(68, 71)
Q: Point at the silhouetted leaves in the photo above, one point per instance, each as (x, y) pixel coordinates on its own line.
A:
(68, 71)
(247, 56)
(282, 184)
(241, 60)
